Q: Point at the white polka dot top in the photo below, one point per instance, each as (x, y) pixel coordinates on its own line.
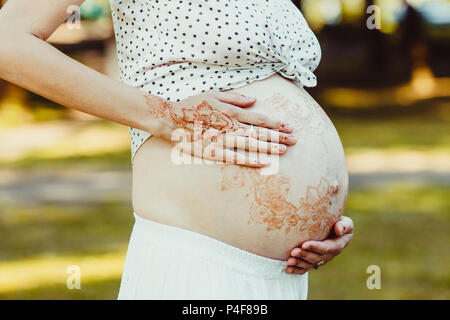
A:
(179, 48)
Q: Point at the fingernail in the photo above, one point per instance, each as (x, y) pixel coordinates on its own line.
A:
(281, 148)
(292, 140)
(296, 252)
(289, 140)
(289, 270)
(291, 262)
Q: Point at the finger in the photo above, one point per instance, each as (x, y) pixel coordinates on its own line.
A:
(215, 152)
(295, 252)
(253, 118)
(299, 263)
(265, 134)
(309, 256)
(295, 270)
(329, 246)
(261, 120)
(343, 226)
(251, 144)
(213, 149)
(229, 156)
(236, 99)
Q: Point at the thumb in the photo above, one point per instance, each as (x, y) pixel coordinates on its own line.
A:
(236, 99)
(343, 226)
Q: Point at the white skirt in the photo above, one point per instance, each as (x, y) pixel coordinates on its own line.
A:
(165, 262)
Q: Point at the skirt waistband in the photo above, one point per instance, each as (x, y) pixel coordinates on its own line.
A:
(185, 242)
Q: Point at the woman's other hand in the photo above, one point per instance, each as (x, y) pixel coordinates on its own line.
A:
(311, 253)
(216, 126)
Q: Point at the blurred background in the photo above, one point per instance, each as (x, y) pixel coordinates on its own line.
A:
(65, 176)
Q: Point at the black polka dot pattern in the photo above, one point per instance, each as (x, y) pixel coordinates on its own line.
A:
(178, 48)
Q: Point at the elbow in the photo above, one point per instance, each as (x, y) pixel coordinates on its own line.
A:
(14, 44)
(40, 36)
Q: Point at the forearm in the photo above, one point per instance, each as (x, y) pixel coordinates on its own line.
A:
(32, 63)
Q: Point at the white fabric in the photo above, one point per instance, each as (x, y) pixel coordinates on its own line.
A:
(165, 262)
(178, 48)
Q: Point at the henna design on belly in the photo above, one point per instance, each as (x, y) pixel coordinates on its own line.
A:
(303, 114)
(269, 195)
(270, 205)
(203, 115)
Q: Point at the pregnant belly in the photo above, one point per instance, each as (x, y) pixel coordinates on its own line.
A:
(264, 211)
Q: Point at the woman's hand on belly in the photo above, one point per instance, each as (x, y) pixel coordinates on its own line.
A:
(213, 126)
(311, 253)
(266, 214)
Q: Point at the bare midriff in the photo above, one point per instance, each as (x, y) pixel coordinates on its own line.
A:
(266, 214)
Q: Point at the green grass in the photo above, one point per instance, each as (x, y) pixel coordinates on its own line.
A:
(393, 134)
(70, 153)
(96, 290)
(420, 128)
(103, 160)
(40, 242)
(33, 231)
(404, 230)
(401, 228)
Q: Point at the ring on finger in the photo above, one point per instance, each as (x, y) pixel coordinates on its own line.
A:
(321, 262)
